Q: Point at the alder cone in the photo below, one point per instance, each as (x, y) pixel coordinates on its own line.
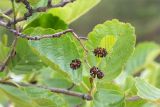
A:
(100, 52)
(75, 64)
(93, 71)
(100, 74)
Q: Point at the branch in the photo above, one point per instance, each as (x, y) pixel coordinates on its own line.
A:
(39, 9)
(59, 34)
(55, 90)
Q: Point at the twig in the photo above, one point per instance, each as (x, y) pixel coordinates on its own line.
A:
(56, 90)
(39, 9)
(59, 34)
(75, 35)
(28, 6)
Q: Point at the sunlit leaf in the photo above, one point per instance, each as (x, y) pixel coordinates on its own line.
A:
(72, 11)
(119, 38)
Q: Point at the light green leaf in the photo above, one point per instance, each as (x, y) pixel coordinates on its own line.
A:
(72, 11)
(147, 91)
(119, 40)
(5, 40)
(108, 98)
(144, 54)
(58, 52)
(16, 95)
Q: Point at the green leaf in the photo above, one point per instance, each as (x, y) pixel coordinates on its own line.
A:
(5, 40)
(33, 97)
(147, 91)
(144, 54)
(47, 21)
(51, 78)
(138, 103)
(16, 95)
(58, 52)
(119, 40)
(72, 11)
(25, 61)
(44, 98)
(108, 98)
(3, 52)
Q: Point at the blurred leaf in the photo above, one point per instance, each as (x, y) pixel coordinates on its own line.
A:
(121, 40)
(5, 40)
(47, 21)
(147, 91)
(3, 52)
(138, 103)
(58, 52)
(73, 10)
(144, 54)
(108, 98)
(25, 61)
(38, 3)
(16, 95)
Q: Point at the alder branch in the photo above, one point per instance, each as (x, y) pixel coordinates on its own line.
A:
(55, 90)
(39, 9)
(19, 34)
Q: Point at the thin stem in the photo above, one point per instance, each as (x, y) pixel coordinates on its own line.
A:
(76, 36)
(55, 90)
(14, 13)
(59, 34)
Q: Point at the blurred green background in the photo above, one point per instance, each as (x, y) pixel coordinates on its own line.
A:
(143, 14)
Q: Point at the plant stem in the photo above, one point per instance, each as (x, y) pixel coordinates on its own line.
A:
(56, 90)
